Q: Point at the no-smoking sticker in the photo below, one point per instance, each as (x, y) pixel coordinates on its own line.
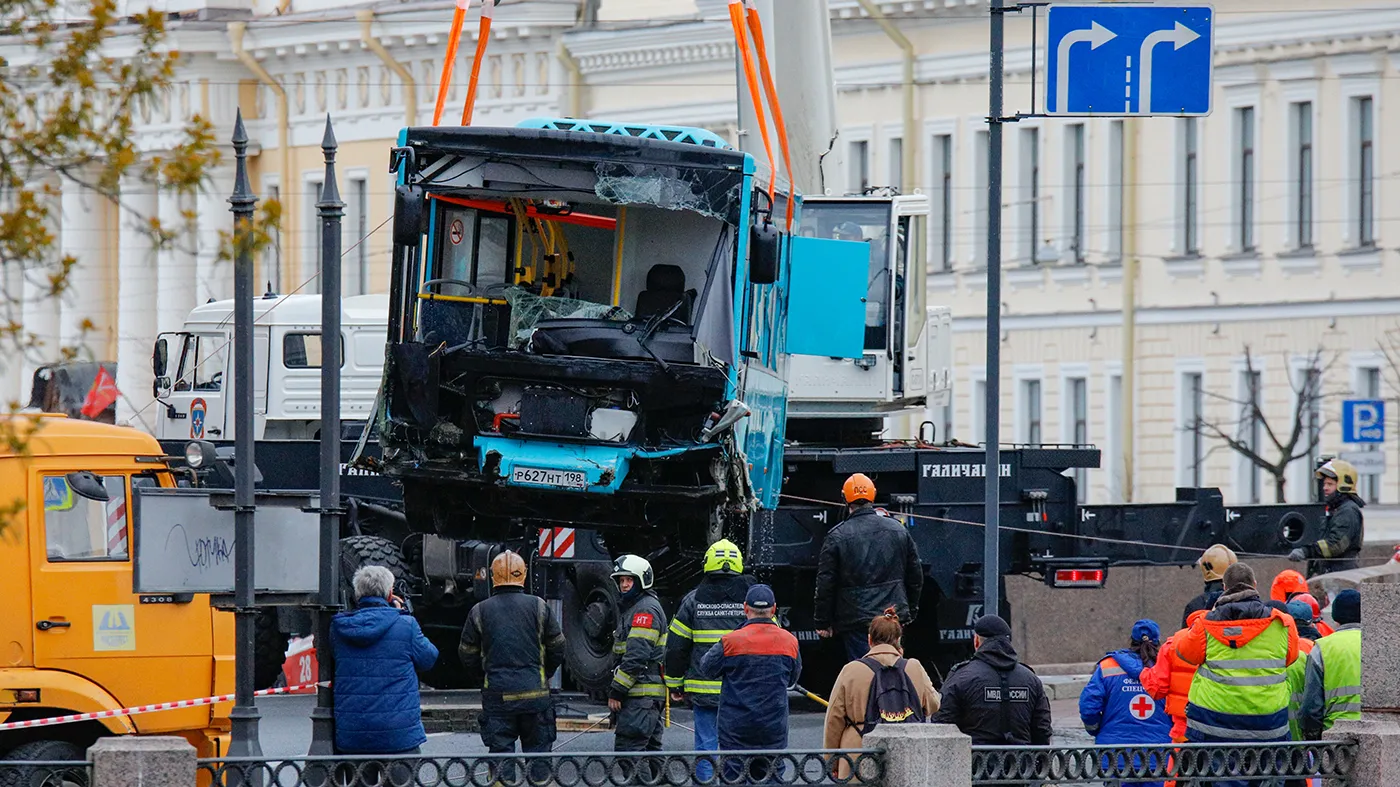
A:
(455, 231)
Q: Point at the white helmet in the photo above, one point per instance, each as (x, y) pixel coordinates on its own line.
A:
(634, 566)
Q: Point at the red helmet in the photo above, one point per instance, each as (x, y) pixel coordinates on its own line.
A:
(859, 487)
(1307, 598)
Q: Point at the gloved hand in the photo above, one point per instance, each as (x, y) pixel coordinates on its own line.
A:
(677, 697)
(1298, 555)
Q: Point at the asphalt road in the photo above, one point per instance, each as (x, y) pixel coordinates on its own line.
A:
(286, 731)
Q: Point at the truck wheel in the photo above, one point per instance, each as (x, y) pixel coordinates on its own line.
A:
(44, 776)
(590, 616)
(270, 649)
(357, 551)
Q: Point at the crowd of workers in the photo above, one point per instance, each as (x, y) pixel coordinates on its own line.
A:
(1241, 668)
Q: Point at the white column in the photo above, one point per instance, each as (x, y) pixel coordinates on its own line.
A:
(175, 264)
(39, 310)
(137, 298)
(214, 279)
(85, 236)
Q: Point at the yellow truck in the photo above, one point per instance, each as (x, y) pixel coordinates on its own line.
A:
(75, 638)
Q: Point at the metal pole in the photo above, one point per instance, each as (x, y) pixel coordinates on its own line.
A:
(330, 209)
(991, 547)
(244, 716)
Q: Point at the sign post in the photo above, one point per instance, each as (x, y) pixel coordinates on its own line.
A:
(1363, 423)
(1103, 59)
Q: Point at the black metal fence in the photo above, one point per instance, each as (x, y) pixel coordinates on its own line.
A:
(37, 773)
(782, 767)
(1187, 763)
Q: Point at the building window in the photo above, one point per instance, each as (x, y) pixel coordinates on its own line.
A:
(1365, 172)
(272, 257)
(943, 181)
(1116, 193)
(1244, 140)
(1030, 389)
(313, 222)
(1190, 241)
(359, 225)
(897, 164)
(979, 411)
(979, 174)
(1311, 390)
(1251, 429)
(1079, 430)
(1370, 485)
(1030, 193)
(1193, 443)
(860, 166)
(1303, 175)
(1113, 459)
(1076, 185)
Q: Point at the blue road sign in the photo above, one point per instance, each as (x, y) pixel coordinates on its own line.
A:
(1121, 59)
(1363, 421)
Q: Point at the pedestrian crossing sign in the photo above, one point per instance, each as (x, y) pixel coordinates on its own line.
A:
(58, 496)
(113, 627)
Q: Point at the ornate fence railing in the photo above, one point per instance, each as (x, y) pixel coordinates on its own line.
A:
(36, 773)
(1186, 764)
(602, 769)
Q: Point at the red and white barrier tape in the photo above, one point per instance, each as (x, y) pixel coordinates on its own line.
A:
(160, 706)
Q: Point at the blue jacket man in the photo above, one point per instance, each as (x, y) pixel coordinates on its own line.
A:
(758, 663)
(379, 649)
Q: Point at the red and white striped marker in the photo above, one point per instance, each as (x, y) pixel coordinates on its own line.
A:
(556, 542)
(116, 526)
(159, 706)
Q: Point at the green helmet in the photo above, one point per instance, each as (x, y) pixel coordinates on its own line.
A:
(724, 555)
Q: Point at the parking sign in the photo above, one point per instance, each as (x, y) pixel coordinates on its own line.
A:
(1363, 421)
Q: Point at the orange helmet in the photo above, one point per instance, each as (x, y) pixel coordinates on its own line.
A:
(1307, 598)
(1286, 584)
(508, 569)
(859, 487)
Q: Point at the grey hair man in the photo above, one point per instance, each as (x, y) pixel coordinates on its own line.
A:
(379, 651)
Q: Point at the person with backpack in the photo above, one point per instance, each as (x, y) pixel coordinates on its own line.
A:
(1114, 706)
(880, 687)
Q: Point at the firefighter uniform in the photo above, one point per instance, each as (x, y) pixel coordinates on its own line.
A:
(514, 639)
(1343, 526)
(707, 613)
(640, 641)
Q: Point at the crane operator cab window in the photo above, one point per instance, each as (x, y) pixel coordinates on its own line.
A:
(868, 223)
(85, 517)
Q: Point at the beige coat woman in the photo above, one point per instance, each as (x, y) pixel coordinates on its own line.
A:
(846, 714)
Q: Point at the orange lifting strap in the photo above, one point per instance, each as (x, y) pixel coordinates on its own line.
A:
(756, 27)
(483, 36)
(455, 36)
(736, 18)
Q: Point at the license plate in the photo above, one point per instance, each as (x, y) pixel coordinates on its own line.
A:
(543, 476)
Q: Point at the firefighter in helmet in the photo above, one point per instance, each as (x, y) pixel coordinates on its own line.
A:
(1342, 525)
(714, 608)
(868, 564)
(514, 641)
(637, 693)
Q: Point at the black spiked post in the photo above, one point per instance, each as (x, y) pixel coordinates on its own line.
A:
(330, 209)
(244, 716)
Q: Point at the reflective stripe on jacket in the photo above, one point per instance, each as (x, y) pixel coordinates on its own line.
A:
(1332, 682)
(640, 640)
(1296, 676)
(1240, 692)
(711, 610)
(1115, 708)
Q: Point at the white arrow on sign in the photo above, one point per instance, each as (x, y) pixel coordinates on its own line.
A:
(1096, 36)
(1181, 35)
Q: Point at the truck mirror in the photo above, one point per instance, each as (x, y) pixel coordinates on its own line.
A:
(161, 388)
(410, 213)
(763, 253)
(87, 484)
(160, 359)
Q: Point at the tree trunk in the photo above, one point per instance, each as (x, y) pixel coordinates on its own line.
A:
(1279, 482)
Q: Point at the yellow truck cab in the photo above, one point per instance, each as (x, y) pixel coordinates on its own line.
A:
(75, 638)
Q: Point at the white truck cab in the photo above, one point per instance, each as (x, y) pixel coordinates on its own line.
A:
(194, 367)
(908, 346)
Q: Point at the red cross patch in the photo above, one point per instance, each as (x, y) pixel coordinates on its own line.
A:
(641, 620)
(1142, 707)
